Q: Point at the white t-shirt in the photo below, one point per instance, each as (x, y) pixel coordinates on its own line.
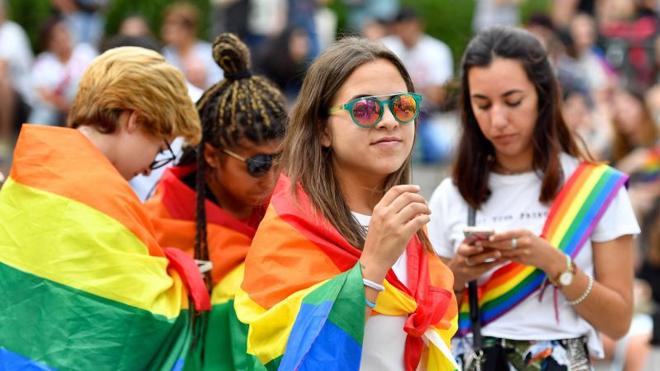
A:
(384, 339)
(51, 74)
(15, 49)
(429, 62)
(514, 204)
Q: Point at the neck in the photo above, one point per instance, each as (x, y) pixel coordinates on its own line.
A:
(360, 192)
(227, 202)
(64, 56)
(510, 165)
(101, 141)
(185, 46)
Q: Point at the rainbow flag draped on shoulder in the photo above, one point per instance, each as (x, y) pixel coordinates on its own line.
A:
(84, 284)
(172, 210)
(303, 295)
(574, 214)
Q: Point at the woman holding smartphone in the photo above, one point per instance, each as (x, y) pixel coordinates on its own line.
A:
(559, 267)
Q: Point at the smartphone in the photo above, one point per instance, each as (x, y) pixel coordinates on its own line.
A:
(474, 234)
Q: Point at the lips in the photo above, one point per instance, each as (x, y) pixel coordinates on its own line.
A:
(505, 138)
(387, 140)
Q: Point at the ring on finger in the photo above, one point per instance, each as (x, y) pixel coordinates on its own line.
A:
(467, 262)
(514, 243)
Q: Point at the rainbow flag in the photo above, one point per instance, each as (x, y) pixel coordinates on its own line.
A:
(649, 171)
(172, 210)
(303, 295)
(574, 214)
(85, 285)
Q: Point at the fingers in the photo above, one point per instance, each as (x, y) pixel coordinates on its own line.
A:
(404, 199)
(488, 257)
(395, 191)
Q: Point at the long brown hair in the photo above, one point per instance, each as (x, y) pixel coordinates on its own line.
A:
(476, 154)
(623, 144)
(305, 160)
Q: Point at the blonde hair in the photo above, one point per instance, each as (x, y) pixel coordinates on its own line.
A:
(135, 79)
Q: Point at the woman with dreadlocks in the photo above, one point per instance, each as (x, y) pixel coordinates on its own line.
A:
(211, 202)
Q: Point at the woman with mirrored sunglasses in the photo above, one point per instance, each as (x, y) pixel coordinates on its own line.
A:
(340, 274)
(211, 202)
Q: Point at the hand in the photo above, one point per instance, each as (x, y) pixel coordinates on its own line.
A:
(471, 261)
(524, 247)
(395, 219)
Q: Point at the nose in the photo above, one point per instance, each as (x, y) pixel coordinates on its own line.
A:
(387, 121)
(498, 117)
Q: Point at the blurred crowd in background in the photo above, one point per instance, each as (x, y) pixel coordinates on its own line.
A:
(606, 54)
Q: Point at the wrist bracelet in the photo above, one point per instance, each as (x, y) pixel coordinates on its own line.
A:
(370, 303)
(586, 292)
(373, 285)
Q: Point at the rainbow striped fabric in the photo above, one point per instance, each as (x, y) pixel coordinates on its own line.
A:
(573, 216)
(303, 295)
(172, 210)
(649, 171)
(84, 284)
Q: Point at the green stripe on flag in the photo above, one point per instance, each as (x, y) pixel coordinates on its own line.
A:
(70, 329)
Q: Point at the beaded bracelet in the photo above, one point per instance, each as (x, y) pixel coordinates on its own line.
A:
(586, 292)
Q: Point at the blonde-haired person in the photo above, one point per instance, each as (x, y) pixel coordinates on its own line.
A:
(340, 274)
(84, 281)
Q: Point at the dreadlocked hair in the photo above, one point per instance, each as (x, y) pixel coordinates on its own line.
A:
(241, 106)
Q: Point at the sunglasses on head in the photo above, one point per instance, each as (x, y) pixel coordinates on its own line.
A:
(157, 163)
(366, 112)
(257, 165)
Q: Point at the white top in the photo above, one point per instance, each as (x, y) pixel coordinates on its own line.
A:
(384, 339)
(514, 204)
(203, 52)
(51, 74)
(429, 62)
(15, 49)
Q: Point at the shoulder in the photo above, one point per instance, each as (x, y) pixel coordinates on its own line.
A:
(446, 193)
(437, 45)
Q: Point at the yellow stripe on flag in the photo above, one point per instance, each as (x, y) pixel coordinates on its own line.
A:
(228, 286)
(572, 211)
(269, 329)
(80, 247)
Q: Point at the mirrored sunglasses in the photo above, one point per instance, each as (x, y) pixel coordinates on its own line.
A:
(367, 112)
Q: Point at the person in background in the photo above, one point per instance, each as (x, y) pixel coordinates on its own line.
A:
(56, 73)
(184, 50)
(543, 289)
(85, 284)
(430, 63)
(210, 204)
(340, 274)
(84, 19)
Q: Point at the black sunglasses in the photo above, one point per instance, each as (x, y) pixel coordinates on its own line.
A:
(160, 162)
(257, 165)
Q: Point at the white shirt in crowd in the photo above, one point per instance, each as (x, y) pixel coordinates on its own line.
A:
(51, 74)
(15, 50)
(514, 204)
(429, 62)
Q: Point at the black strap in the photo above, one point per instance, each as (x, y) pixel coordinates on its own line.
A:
(473, 296)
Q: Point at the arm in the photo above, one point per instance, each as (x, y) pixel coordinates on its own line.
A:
(608, 307)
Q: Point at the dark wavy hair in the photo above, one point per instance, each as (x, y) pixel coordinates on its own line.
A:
(476, 154)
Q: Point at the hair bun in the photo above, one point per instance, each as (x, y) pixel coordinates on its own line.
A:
(231, 54)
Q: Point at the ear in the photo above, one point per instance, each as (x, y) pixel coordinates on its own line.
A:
(210, 155)
(132, 124)
(326, 137)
